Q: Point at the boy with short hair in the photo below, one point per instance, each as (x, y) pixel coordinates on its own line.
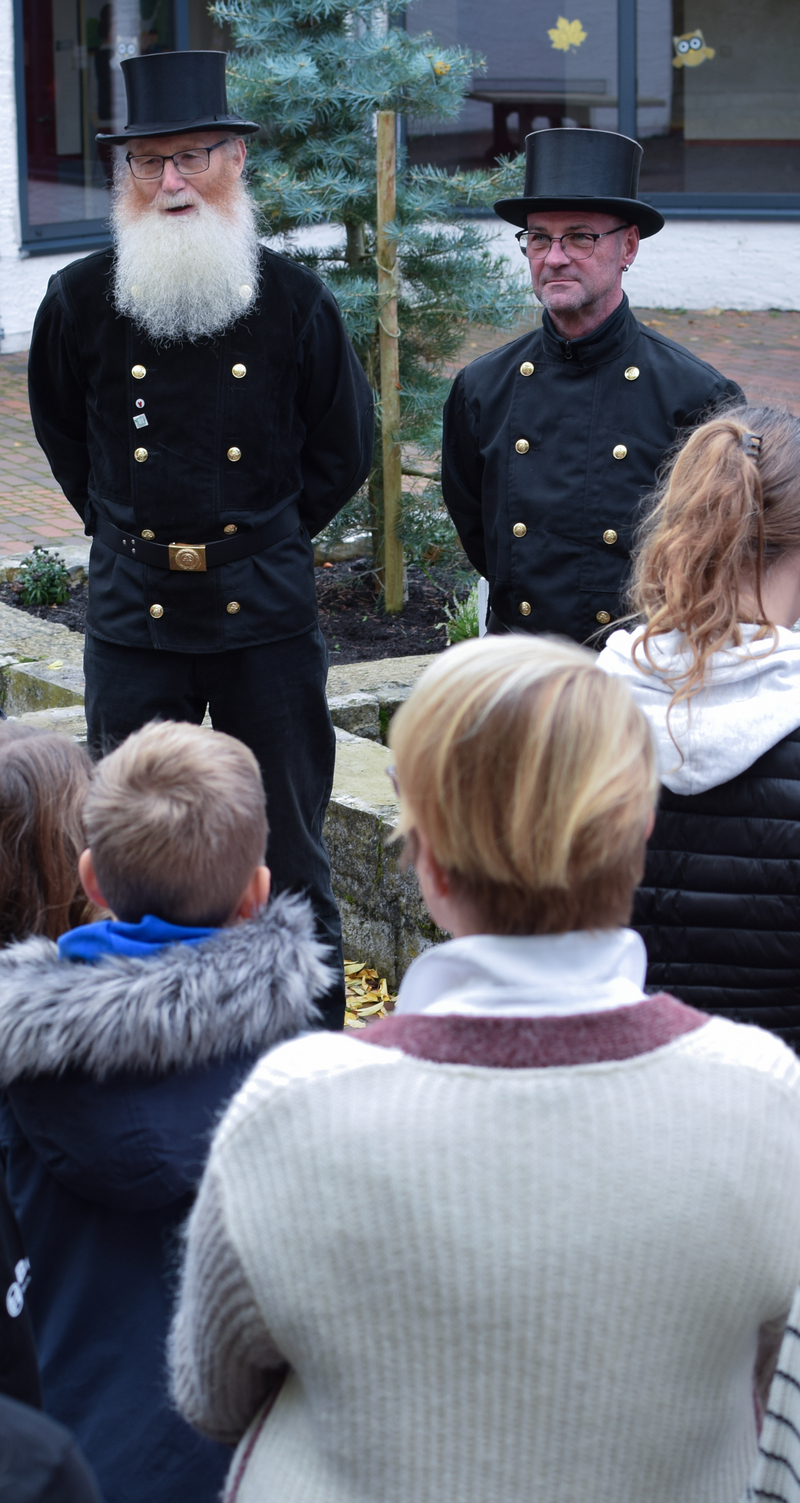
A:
(119, 1047)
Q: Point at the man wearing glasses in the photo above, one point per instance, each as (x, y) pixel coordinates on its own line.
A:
(552, 442)
(203, 410)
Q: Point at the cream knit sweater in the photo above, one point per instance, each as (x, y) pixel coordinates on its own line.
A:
(489, 1285)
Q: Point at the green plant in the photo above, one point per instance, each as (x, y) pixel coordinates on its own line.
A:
(315, 72)
(462, 622)
(44, 578)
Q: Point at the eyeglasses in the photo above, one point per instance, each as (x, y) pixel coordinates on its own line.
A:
(578, 244)
(187, 163)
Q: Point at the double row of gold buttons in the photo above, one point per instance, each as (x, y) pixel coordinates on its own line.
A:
(619, 451)
(140, 455)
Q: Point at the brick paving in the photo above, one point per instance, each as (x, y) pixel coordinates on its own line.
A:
(32, 506)
(760, 350)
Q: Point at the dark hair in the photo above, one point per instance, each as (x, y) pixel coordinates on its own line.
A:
(43, 782)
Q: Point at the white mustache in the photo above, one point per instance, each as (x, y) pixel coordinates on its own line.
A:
(173, 201)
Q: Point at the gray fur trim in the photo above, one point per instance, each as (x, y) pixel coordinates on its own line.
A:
(240, 992)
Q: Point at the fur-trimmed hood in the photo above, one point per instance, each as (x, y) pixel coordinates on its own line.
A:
(190, 1005)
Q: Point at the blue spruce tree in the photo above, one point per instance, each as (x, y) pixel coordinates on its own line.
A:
(316, 72)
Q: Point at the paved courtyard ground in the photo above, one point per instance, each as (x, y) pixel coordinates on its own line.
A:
(760, 350)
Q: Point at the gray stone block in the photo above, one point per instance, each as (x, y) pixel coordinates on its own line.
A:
(385, 922)
(41, 686)
(355, 546)
(69, 720)
(28, 640)
(358, 713)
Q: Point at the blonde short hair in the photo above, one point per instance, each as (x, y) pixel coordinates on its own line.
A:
(532, 775)
(176, 823)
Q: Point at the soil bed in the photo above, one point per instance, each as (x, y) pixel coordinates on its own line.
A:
(350, 615)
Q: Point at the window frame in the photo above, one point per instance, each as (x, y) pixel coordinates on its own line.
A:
(82, 234)
(684, 205)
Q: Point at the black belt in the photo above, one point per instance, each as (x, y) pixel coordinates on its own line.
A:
(195, 558)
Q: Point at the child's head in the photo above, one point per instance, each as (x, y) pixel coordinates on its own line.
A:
(529, 776)
(726, 510)
(176, 825)
(43, 783)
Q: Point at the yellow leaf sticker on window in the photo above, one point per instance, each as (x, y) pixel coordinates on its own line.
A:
(566, 34)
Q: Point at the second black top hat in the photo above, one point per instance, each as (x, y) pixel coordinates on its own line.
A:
(582, 169)
(172, 92)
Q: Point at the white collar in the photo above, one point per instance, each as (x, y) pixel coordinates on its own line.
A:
(529, 975)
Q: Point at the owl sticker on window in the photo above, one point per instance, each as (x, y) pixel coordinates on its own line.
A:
(691, 50)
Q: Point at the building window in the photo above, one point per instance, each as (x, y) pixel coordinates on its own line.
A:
(729, 72)
(710, 87)
(69, 87)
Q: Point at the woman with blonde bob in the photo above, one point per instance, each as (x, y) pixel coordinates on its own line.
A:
(715, 668)
(485, 1249)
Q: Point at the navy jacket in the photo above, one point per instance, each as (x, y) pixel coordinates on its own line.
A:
(39, 1460)
(550, 446)
(719, 907)
(103, 1160)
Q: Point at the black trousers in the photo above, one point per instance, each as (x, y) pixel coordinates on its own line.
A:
(272, 698)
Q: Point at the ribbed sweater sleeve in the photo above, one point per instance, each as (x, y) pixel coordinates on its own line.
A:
(777, 1471)
(223, 1361)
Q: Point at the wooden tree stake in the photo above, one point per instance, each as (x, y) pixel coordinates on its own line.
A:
(388, 335)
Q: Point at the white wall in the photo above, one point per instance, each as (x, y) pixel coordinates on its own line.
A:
(702, 263)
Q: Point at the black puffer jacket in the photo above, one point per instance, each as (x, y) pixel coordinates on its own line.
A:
(719, 908)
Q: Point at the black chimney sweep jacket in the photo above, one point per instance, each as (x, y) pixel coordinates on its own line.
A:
(275, 411)
(550, 446)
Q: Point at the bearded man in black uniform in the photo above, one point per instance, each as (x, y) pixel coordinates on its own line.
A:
(204, 412)
(552, 442)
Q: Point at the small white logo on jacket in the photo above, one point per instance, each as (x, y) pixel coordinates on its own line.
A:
(15, 1295)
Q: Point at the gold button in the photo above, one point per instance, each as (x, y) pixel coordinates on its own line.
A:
(519, 529)
(138, 372)
(238, 371)
(526, 369)
(146, 533)
(234, 454)
(603, 617)
(157, 611)
(609, 536)
(522, 446)
(632, 373)
(619, 451)
(524, 608)
(140, 455)
(233, 607)
(231, 527)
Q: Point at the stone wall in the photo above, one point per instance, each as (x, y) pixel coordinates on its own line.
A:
(383, 918)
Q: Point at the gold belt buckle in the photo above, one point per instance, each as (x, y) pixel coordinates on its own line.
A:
(189, 557)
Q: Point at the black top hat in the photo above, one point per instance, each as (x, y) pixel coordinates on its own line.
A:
(582, 169)
(172, 92)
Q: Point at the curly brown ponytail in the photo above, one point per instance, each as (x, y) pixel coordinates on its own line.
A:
(721, 516)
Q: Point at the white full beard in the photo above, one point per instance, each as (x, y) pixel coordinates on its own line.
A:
(185, 277)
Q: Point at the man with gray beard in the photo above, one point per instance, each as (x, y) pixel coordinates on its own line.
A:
(203, 410)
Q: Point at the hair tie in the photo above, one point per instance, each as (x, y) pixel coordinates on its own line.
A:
(751, 443)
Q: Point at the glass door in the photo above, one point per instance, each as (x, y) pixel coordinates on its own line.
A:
(73, 87)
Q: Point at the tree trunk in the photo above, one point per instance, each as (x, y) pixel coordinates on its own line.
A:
(388, 334)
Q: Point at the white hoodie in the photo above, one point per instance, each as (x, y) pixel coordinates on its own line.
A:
(750, 701)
